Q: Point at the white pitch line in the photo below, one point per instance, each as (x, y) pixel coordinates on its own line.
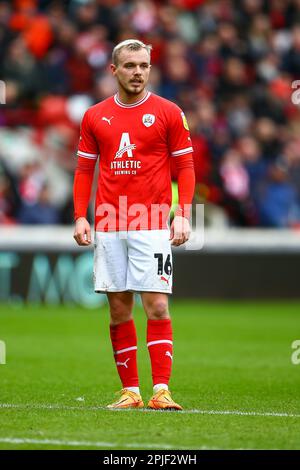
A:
(245, 413)
(194, 411)
(58, 442)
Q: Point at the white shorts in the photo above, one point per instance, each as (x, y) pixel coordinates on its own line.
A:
(140, 262)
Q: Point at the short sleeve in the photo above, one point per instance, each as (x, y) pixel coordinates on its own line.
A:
(87, 147)
(179, 140)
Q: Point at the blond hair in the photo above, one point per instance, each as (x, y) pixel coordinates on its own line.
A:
(130, 45)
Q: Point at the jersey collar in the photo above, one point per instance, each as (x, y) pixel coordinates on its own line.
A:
(133, 105)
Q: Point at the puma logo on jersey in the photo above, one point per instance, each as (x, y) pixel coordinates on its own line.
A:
(123, 363)
(107, 119)
(164, 279)
(169, 354)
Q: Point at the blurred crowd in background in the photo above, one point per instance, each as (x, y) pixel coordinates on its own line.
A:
(230, 64)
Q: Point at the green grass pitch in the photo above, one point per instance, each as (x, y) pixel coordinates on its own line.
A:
(232, 373)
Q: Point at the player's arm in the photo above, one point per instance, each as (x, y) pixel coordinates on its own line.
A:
(180, 227)
(83, 180)
(180, 147)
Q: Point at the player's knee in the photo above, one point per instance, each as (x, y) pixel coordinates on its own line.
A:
(120, 312)
(118, 317)
(158, 310)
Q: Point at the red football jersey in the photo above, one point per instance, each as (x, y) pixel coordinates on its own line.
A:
(134, 143)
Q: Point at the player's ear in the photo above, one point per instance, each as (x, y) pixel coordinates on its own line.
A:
(113, 68)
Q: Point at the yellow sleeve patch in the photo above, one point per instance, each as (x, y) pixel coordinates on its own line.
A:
(185, 123)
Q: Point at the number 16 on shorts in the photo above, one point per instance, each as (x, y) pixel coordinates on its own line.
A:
(164, 267)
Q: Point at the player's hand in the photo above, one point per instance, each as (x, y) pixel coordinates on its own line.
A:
(180, 230)
(82, 233)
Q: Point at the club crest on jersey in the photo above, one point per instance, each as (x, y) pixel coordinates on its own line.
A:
(148, 120)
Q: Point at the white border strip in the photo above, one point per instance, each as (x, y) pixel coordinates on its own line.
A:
(159, 342)
(49, 406)
(182, 151)
(133, 105)
(57, 238)
(125, 350)
(91, 156)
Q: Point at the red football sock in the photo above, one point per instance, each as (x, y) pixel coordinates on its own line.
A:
(124, 343)
(160, 346)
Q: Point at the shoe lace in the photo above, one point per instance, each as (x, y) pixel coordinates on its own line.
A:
(119, 393)
(164, 392)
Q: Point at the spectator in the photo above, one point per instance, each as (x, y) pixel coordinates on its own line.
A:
(41, 211)
(229, 64)
(8, 200)
(278, 198)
